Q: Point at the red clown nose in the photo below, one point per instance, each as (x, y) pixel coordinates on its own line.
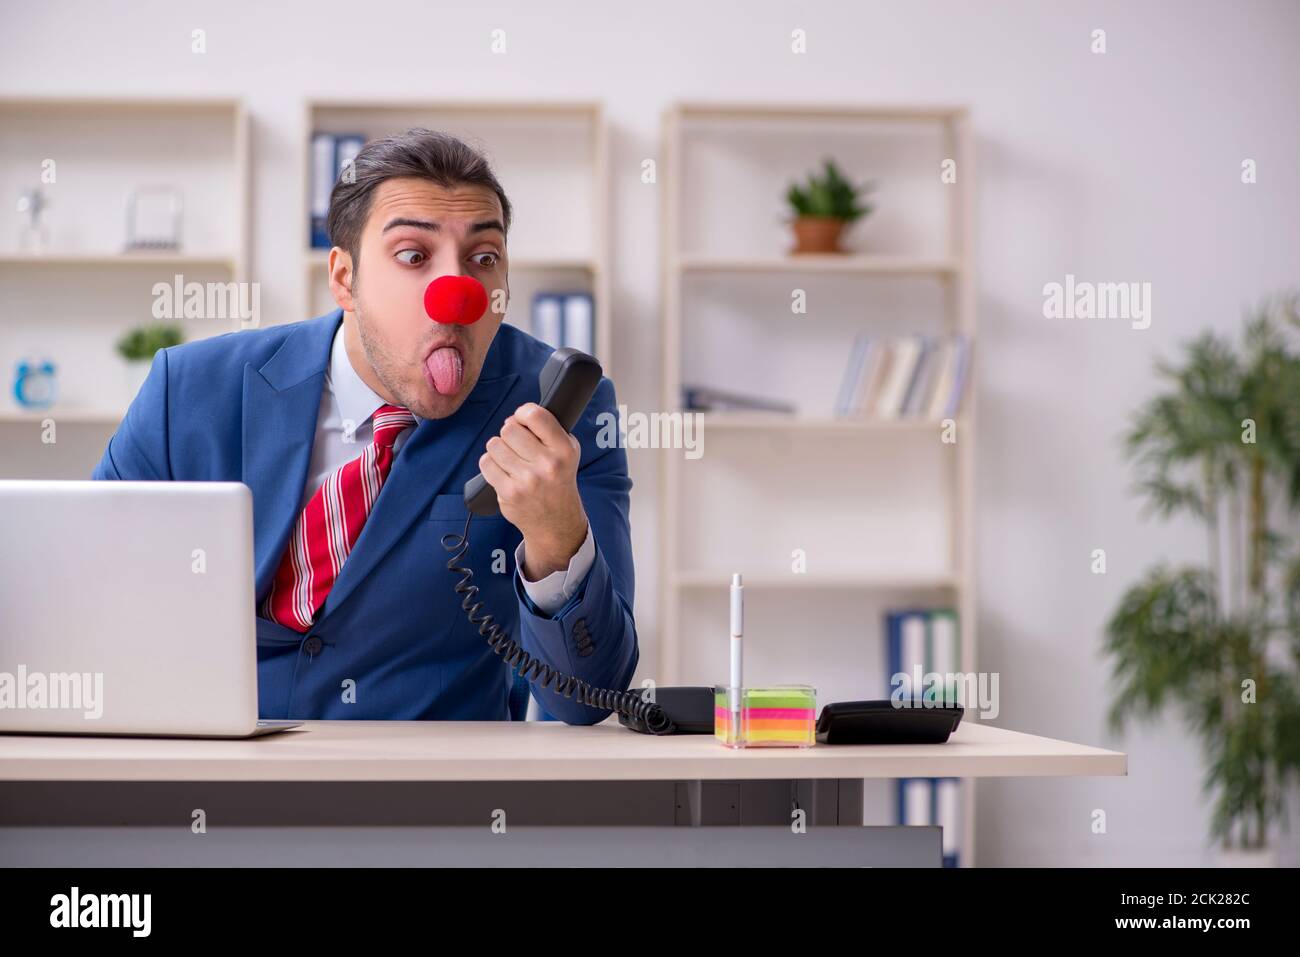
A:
(457, 300)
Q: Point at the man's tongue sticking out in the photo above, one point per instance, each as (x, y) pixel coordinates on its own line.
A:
(447, 370)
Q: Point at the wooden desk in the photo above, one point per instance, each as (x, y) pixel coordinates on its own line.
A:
(299, 793)
(529, 751)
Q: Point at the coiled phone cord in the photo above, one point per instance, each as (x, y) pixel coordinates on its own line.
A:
(629, 703)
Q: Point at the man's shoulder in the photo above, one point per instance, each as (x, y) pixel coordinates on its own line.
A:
(526, 355)
(235, 348)
(208, 376)
(522, 352)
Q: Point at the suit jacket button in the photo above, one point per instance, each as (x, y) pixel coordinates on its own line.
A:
(312, 645)
(582, 638)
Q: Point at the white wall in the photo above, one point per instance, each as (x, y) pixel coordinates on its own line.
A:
(1114, 167)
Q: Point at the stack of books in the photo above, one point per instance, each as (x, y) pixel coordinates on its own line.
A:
(905, 377)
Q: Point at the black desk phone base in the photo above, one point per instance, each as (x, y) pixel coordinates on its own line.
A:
(884, 722)
(690, 710)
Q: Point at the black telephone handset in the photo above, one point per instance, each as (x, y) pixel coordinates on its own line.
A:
(567, 383)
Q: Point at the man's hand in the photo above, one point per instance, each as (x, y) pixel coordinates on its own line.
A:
(533, 465)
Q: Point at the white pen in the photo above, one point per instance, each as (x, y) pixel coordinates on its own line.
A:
(737, 643)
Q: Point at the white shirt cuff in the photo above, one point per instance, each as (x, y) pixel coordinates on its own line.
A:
(550, 593)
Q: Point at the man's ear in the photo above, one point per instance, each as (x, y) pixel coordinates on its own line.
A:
(341, 278)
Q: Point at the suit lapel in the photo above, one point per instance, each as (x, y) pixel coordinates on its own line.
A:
(281, 406)
(427, 460)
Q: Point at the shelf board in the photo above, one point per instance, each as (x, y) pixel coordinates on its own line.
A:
(117, 259)
(317, 258)
(96, 103)
(777, 421)
(528, 108)
(854, 581)
(804, 112)
(73, 415)
(848, 263)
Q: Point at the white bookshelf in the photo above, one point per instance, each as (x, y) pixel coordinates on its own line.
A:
(74, 299)
(805, 263)
(857, 582)
(883, 509)
(776, 421)
(552, 159)
(126, 259)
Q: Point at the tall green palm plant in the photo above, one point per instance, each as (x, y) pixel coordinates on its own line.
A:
(1222, 641)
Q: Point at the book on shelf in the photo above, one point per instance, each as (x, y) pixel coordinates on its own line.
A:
(926, 640)
(854, 374)
(565, 320)
(961, 371)
(930, 801)
(579, 322)
(918, 390)
(706, 399)
(904, 377)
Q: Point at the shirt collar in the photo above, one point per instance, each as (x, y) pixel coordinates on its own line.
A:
(356, 401)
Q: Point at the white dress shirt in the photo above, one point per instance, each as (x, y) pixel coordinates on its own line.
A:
(343, 429)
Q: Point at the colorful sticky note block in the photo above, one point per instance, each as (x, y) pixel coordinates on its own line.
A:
(782, 717)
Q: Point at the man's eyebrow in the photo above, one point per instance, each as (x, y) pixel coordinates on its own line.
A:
(479, 227)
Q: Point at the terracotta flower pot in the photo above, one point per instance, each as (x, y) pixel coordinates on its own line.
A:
(817, 234)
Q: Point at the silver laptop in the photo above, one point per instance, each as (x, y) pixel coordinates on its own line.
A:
(126, 608)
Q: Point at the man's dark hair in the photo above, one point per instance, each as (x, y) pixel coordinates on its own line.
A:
(436, 156)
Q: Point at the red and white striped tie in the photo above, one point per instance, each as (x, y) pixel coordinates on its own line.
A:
(330, 525)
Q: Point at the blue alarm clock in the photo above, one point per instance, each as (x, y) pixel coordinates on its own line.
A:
(34, 384)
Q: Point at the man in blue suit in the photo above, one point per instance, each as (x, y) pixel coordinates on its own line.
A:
(356, 613)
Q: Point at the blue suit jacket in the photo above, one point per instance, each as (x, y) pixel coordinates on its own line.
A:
(243, 407)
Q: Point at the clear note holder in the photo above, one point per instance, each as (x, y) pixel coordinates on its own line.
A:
(774, 716)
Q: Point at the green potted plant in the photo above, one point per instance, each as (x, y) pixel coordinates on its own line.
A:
(822, 207)
(1220, 641)
(138, 346)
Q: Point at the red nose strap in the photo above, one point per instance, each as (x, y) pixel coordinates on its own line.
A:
(458, 300)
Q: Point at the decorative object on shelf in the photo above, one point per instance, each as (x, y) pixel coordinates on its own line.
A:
(1218, 640)
(153, 218)
(823, 207)
(139, 346)
(35, 383)
(34, 230)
